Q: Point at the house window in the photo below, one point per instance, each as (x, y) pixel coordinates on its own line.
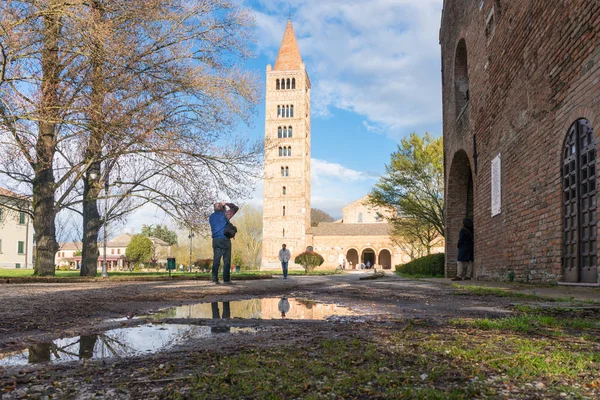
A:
(21, 247)
(360, 218)
(1, 241)
(22, 218)
(284, 211)
(284, 193)
(118, 251)
(290, 131)
(293, 83)
(1, 214)
(18, 265)
(112, 251)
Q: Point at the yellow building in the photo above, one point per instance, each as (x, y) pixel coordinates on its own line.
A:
(16, 231)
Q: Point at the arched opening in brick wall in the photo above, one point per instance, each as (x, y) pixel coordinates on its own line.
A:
(459, 205)
(579, 259)
(385, 259)
(461, 79)
(352, 257)
(368, 255)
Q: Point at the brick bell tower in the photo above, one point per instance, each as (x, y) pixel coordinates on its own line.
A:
(286, 206)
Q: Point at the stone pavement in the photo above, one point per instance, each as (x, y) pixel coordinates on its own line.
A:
(579, 293)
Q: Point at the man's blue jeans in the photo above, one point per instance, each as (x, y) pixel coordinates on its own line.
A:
(284, 265)
(222, 249)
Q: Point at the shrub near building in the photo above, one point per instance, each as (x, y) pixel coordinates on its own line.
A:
(428, 266)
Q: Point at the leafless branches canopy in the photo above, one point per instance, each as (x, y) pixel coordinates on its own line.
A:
(126, 103)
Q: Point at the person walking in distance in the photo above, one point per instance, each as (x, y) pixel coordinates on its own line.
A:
(284, 257)
(465, 252)
(219, 220)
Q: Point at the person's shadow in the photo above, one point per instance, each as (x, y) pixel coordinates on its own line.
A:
(216, 315)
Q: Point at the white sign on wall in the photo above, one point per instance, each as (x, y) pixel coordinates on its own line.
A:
(496, 185)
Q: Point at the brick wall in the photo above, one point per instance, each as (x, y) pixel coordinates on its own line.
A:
(532, 72)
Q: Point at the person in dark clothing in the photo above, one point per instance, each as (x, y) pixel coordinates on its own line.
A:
(465, 252)
(221, 244)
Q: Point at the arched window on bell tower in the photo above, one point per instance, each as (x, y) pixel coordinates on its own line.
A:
(287, 171)
(279, 112)
(279, 133)
(289, 152)
(289, 86)
(291, 111)
(280, 151)
(282, 171)
(284, 211)
(277, 87)
(293, 83)
(285, 133)
(289, 131)
(284, 190)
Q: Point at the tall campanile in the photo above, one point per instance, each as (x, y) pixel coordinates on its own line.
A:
(287, 153)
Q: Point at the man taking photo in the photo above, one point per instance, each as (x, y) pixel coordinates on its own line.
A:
(219, 220)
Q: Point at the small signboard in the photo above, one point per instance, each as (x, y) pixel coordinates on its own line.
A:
(496, 185)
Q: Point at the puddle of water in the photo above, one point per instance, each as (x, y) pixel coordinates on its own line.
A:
(266, 308)
(122, 342)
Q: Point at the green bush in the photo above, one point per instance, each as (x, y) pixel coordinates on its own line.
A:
(309, 260)
(429, 266)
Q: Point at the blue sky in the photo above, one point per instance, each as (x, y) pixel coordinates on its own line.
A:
(375, 68)
(375, 72)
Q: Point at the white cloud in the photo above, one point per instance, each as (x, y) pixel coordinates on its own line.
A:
(333, 186)
(377, 58)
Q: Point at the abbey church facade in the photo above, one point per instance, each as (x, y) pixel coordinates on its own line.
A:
(363, 234)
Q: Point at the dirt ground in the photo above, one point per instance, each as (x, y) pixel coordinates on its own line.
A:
(35, 313)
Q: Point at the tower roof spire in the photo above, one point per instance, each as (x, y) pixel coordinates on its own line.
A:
(289, 54)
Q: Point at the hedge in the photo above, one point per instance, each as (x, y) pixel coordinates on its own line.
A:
(431, 265)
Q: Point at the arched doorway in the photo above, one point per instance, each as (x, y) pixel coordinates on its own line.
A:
(459, 205)
(385, 259)
(579, 259)
(352, 257)
(368, 255)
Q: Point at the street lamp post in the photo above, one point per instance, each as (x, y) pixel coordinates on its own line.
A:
(191, 237)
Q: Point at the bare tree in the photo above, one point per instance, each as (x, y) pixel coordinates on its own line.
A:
(146, 88)
(317, 215)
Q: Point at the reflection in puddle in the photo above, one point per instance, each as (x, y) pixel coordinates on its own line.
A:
(123, 342)
(267, 308)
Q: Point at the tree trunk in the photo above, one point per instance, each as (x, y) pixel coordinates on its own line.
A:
(39, 353)
(44, 187)
(86, 346)
(91, 217)
(91, 226)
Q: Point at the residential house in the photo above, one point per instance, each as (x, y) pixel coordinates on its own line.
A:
(16, 231)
